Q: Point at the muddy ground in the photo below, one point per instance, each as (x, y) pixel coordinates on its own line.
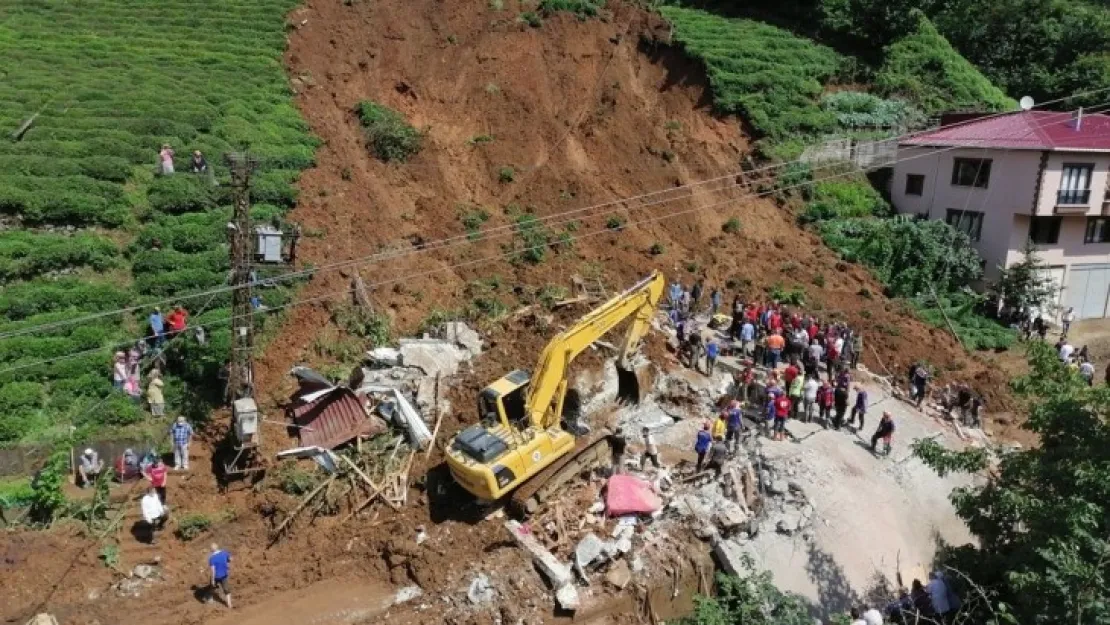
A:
(585, 113)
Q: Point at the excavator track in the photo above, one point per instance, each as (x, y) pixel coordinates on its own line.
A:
(589, 452)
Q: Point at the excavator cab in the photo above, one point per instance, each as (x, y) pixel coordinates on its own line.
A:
(503, 401)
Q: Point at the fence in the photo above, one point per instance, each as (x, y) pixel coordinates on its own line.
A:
(863, 154)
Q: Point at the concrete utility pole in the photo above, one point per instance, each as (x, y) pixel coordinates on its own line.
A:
(240, 378)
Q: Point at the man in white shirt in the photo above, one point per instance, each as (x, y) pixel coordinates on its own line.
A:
(1066, 350)
(856, 618)
(651, 450)
(809, 397)
(154, 513)
(873, 617)
(1065, 321)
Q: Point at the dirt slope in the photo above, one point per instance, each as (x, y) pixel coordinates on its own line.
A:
(585, 113)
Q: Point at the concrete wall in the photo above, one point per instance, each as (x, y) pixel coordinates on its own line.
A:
(1010, 190)
(1054, 170)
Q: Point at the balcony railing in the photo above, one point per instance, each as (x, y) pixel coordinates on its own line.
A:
(1073, 197)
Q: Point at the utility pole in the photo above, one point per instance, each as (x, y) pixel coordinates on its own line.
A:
(240, 378)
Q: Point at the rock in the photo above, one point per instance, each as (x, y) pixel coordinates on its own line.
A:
(778, 487)
(481, 590)
(567, 597)
(43, 619)
(796, 487)
(789, 523)
(129, 587)
(623, 531)
(619, 575)
(384, 356)
(143, 571)
(730, 556)
(463, 336)
(596, 507)
(623, 545)
(588, 550)
(731, 517)
(706, 532)
(408, 593)
(765, 477)
(637, 564)
(432, 356)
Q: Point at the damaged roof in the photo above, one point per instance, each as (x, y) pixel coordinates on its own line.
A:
(334, 419)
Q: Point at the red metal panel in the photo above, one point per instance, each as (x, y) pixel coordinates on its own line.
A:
(335, 419)
(1036, 130)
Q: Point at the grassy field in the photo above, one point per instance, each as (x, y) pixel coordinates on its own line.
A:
(89, 225)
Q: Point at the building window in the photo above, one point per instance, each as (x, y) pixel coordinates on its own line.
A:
(967, 222)
(971, 172)
(1075, 184)
(1045, 230)
(1098, 230)
(915, 184)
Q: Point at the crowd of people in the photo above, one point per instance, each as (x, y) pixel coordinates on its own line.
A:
(809, 362)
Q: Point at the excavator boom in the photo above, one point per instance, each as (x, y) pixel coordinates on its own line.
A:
(520, 438)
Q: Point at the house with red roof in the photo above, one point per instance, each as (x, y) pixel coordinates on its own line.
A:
(1038, 176)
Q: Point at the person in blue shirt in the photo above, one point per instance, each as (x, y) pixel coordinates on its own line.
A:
(735, 425)
(218, 564)
(860, 408)
(711, 352)
(714, 301)
(769, 411)
(701, 445)
(675, 294)
(157, 327)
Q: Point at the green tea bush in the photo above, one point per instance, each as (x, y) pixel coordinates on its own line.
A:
(770, 77)
(25, 300)
(181, 194)
(388, 135)
(108, 168)
(165, 261)
(186, 280)
(25, 255)
(926, 70)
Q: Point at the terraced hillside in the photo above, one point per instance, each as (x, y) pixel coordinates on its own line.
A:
(85, 224)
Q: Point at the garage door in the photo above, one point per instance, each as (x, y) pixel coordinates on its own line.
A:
(1086, 292)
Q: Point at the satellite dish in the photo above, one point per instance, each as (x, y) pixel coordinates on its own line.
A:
(1026, 103)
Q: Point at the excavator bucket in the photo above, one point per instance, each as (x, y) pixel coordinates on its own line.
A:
(632, 384)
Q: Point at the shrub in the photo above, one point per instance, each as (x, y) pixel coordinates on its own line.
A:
(534, 238)
(908, 256)
(532, 19)
(365, 324)
(191, 525)
(615, 222)
(926, 70)
(795, 296)
(25, 255)
(388, 135)
(732, 226)
(976, 332)
(855, 109)
(581, 8)
(819, 280)
(840, 199)
(656, 249)
(506, 174)
(480, 139)
(472, 219)
(294, 480)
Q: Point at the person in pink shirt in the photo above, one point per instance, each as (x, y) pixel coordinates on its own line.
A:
(165, 157)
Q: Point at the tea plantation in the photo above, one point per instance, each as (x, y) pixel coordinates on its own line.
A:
(85, 222)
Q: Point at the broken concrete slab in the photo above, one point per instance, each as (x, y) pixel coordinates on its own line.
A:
(789, 523)
(481, 590)
(555, 571)
(619, 575)
(731, 517)
(384, 357)
(589, 550)
(409, 417)
(432, 356)
(730, 556)
(408, 593)
(463, 336)
(567, 597)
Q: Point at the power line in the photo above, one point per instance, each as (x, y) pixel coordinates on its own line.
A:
(496, 257)
(501, 230)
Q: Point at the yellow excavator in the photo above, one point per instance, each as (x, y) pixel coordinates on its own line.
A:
(521, 443)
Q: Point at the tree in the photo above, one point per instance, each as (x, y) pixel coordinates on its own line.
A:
(1026, 284)
(749, 599)
(1042, 520)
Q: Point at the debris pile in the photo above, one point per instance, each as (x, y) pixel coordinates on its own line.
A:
(138, 578)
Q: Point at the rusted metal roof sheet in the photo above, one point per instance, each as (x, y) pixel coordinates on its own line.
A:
(335, 419)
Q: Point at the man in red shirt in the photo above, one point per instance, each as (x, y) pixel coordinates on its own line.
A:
(156, 473)
(782, 411)
(790, 373)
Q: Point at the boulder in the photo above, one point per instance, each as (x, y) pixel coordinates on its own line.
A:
(432, 356)
(588, 551)
(778, 487)
(567, 597)
(481, 590)
(789, 523)
(463, 336)
(619, 575)
(384, 357)
(730, 556)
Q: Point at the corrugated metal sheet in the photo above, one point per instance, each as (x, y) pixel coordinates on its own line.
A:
(335, 419)
(1038, 130)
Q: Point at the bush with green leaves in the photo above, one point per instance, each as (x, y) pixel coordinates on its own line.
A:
(857, 109)
(192, 525)
(732, 226)
(976, 331)
(388, 135)
(534, 238)
(25, 300)
(581, 8)
(767, 75)
(925, 69)
(174, 195)
(47, 497)
(750, 598)
(26, 255)
(1040, 515)
(908, 256)
(843, 199)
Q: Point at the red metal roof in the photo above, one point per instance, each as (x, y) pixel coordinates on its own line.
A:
(1024, 130)
(334, 419)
